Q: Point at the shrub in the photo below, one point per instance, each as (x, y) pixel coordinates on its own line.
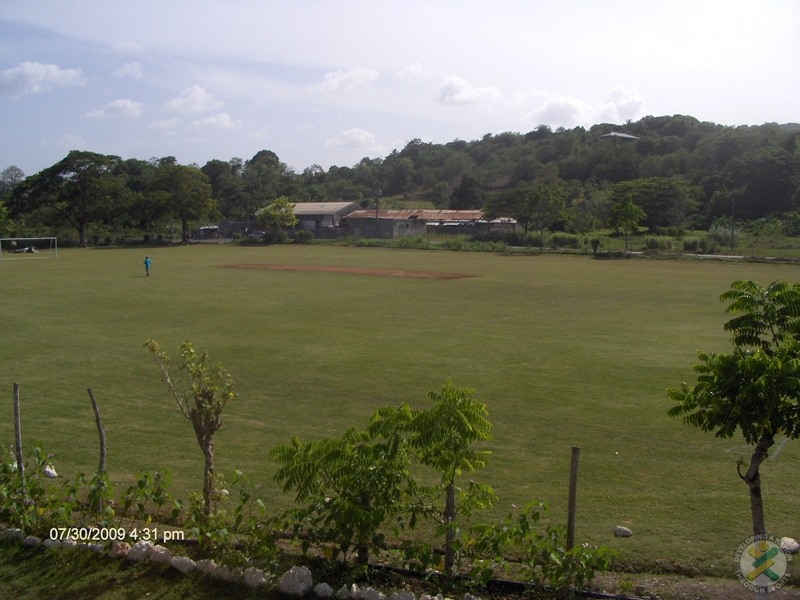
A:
(303, 236)
(565, 240)
(721, 234)
(691, 244)
(658, 243)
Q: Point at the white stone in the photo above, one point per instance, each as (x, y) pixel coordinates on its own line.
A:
(297, 581)
(255, 578)
(471, 597)
(13, 534)
(402, 596)
(621, 531)
(139, 551)
(32, 541)
(343, 594)
(159, 554)
(48, 543)
(426, 597)
(184, 564)
(323, 590)
(207, 566)
(355, 592)
(119, 549)
(68, 543)
(371, 594)
(790, 545)
(50, 472)
(98, 548)
(225, 574)
(82, 546)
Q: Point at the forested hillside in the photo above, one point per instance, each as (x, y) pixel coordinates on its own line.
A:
(680, 171)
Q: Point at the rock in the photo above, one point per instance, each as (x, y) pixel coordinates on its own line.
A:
(97, 548)
(297, 581)
(355, 592)
(48, 543)
(184, 564)
(370, 594)
(82, 546)
(207, 566)
(119, 549)
(159, 554)
(471, 597)
(426, 597)
(790, 545)
(68, 543)
(343, 594)
(402, 596)
(139, 551)
(50, 472)
(225, 574)
(621, 531)
(255, 578)
(13, 534)
(32, 541)
(323, 590)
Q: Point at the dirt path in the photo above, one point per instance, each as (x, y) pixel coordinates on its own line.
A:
(354, 271)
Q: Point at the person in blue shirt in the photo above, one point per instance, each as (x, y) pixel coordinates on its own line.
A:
(147, 265)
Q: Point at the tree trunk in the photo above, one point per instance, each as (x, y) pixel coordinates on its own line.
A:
(363, 547)
(81, 235)
(753, 481)
(184, 231)
(208, 473)
(449, 534)
(101, 432)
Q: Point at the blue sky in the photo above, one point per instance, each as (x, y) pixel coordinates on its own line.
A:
(330, 82)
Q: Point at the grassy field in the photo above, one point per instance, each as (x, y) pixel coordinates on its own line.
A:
(563, 349)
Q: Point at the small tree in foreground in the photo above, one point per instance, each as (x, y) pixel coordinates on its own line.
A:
(275, 217)
(626, 215)
(201, 402)
(757, 387)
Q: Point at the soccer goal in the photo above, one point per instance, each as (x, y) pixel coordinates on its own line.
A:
(20, 248)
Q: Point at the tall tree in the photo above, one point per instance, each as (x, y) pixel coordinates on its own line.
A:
(756, 388)
(82, 189)
(189, 194)
(275, 217)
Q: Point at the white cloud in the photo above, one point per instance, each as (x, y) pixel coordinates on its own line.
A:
(220, 121)
(568, 111)
(629, 104)
(194, 99)
(133, 69)
(35, 77)
(412, 71)
(353, 138)
(124, 109)
(163, 125)
(456, 91)
(338, 81)
(68, 141)
(128, 48)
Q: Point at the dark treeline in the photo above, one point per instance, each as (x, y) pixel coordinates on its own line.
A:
(682, 172)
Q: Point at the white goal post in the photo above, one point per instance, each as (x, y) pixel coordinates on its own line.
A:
(20, 248)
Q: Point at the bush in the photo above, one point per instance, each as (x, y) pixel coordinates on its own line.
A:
(658, 243)
(565, 240)
(595, 245)
(691, 244)
(303, 236)
(721, 234)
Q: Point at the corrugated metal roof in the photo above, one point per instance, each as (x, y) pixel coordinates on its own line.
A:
(420, 214)
(321, 208)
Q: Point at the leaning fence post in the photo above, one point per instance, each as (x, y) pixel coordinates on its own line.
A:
(101, 432)
(573, 492)
(18, 437)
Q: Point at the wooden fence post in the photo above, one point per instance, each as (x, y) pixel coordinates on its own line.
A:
(573, 492)
(17, 433)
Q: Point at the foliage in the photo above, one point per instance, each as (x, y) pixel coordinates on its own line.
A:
(304, 236)
(658, 242)
(200, 402)
(625, 215)
(147, 496)
(756, 388)
(188, 194)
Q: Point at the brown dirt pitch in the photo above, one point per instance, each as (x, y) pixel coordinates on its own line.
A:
(354, 271)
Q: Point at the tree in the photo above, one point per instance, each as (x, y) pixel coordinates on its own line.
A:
(275, 217)
(756, 388)
(468, 194)
(81, 189)
(443, 437)
(189, 192)
(351, 485)
(202, 401)
(9, 178)
(537, 205)
(625, 215)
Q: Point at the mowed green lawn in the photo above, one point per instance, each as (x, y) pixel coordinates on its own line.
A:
(563, 349)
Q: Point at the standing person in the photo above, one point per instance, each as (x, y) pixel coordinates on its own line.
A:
(147, 265)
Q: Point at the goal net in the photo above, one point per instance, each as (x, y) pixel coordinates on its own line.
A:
(20, 248)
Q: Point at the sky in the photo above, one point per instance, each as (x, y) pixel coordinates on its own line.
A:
(329, 82)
